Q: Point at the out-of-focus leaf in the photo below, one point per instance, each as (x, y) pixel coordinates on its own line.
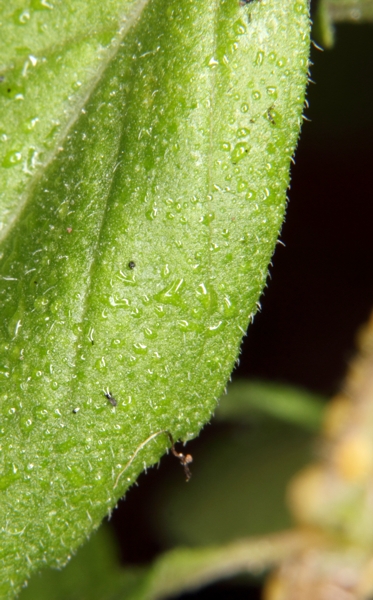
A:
(140, 245)
(186, 569)
(330, 12)
(238, 485)
(94, 573)
(246, 399)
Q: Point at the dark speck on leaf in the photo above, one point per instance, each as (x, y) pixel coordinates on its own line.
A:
(131, 264)
(111, 398)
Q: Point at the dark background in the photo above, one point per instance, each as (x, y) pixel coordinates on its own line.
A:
(321, 285)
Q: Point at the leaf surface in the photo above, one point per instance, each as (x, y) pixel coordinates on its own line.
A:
(137, 249)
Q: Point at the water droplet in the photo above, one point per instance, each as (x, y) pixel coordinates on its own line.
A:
(149, 333)
(207, 218)
(30, 124)
(21, 16)
(229, 307)
(239, 27)
(215, 329)
(117, 301)
(183, 324)
(243, 132)
(152, 213)
(244, 108)
(299, 7)
(272, 91)
(41, 303)
(251, 195)
(57, 307)
(264, 194)
(240, 151)
(225, 146)
(115, 343)
(259, 58)
(41, 5)
(140, 348)
(100, 364)
(160, 311)
(256, 95)
(129, 277)
(241, 185)
(11, 159)
(212, 62)
(171, 294)
(26, 424)
(207, 296)
(40, 413)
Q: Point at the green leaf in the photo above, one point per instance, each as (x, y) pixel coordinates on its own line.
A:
(93, 574)
(52, 55)
(246, 399)
(139, 246)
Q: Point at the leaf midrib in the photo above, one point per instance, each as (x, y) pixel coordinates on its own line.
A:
(129, 22)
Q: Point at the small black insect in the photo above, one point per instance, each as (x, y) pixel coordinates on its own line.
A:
(111, 398)
(131, 264)
(76, 410)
